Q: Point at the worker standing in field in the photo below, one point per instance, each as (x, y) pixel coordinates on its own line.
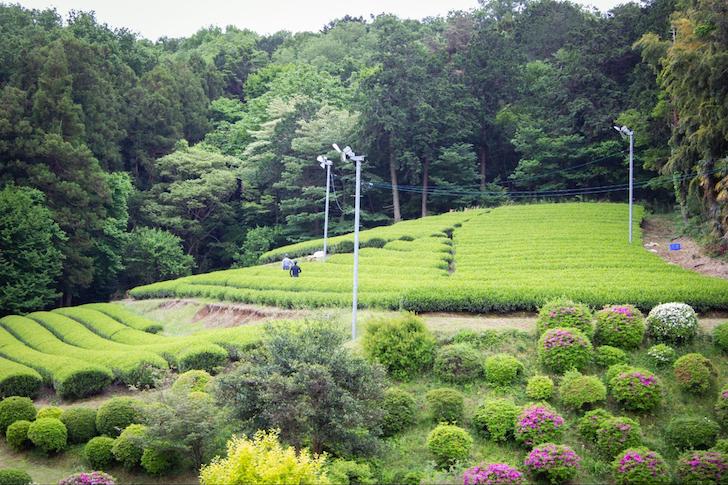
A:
(295, 270)
(286, 263)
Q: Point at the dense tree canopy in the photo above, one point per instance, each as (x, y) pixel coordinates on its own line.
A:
(205, 146)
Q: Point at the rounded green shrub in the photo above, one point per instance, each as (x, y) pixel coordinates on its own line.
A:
(589, 424)
(17, 435)
(116, 414)
(607, 356)
(49, 412)
(496, 418)
(672, 322)
(158, 460)
(48, 434)
(502, 369)
(207, 357)
(662, 354)
(192, 380)
(721, 408)
(562, 349)
(692, 432)
(86, 381)
(694, 373)
(458, 363)
(636, 389)
(640, 466)
(617, 434)
(400, 411)
(15, 408)
(347, 472)
(720, 336)
(620, 326)
(80, 423)
(98, 451)
(449, 444)
(14, 476)
(701, 468)
(540, 388)
(446, 405)
(564, 313)
(721, 445)
(404, 346)
(577, 390)
(129, 446)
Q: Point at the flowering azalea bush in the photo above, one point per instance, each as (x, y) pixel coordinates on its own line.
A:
(640, 466)
(672, 322)
(552, 462)
(493, 474)
(636, 389)
(694, 373)
(538, 423)
(662, 354)
(561, 349)
(702, 467)
(564, 313)
(721, 408)
(89, 478)
(620, 326)
(617, 434)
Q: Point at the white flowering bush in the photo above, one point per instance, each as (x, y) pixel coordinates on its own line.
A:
(662, 354)
(672, 322)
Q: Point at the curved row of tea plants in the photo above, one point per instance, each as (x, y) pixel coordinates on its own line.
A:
(509, 258)
(80, 351)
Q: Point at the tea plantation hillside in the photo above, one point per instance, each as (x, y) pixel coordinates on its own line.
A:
(509, 258)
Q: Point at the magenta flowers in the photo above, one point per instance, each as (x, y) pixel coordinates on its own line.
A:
(556, 463)
(538, 424)
(493, 474)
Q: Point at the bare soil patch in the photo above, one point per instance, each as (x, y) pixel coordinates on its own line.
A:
(658, 232)
(223, 315)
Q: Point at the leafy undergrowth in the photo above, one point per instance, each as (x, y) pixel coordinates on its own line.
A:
(407, 451)
(506, 259)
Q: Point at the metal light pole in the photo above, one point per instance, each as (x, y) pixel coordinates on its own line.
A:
(626, 132)
(357, 159)
(325, 162)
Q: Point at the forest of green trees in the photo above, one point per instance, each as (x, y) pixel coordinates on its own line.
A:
(125, 161)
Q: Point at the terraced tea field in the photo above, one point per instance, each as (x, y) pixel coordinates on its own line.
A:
(80, 351)
(509, 258)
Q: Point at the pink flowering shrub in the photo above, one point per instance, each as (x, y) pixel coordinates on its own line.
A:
(555, 463)
(589, 424)
(617, 434)
(538, 423)
(564, 313)
(636, 389)
(620, 326)
(562, 349)
(640, 466)
(702, 467)
(493, 474)
(88, 478)
(721, 408)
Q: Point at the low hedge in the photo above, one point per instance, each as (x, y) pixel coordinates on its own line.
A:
(18, 380)
(80, 423)
(116, 414)
(14, 476)
(207, 357)
(15, 408)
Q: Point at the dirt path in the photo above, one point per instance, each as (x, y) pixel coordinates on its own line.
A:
(659, 233)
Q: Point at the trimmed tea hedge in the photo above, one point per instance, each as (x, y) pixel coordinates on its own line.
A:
(128, 318)
(18, 379)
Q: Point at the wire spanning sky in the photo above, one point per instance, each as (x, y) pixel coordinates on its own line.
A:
(180, 18)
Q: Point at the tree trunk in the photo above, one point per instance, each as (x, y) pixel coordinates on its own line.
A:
(681, 193)
(482, 157)
(425, 183)
(713, 206)
(395, 190)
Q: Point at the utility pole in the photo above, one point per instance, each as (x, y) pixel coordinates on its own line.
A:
(626, 132)
(326, 163)
(357, 159)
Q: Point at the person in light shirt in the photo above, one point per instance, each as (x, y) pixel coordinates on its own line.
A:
(286, 263)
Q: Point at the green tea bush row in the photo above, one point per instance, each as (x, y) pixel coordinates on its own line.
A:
(126, 317)
(18, 379)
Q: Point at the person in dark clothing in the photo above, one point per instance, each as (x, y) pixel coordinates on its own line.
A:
(295, 270)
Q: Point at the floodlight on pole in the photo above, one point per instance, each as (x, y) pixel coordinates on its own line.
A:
(357, 159)
(625, 133)
(326, 163)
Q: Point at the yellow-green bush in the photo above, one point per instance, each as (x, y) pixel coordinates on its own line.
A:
(263, 460)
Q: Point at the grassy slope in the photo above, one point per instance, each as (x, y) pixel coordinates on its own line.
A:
(510, 258)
